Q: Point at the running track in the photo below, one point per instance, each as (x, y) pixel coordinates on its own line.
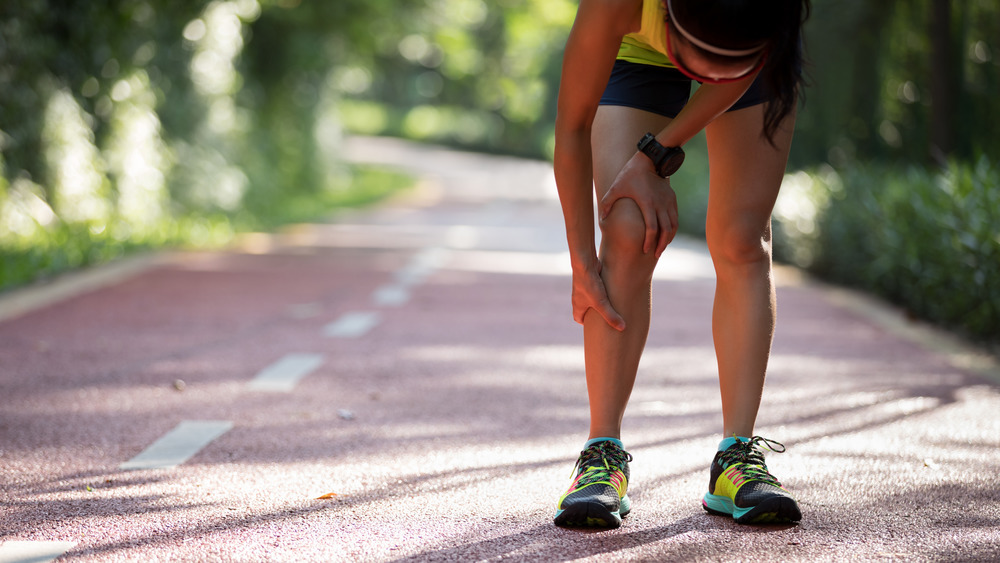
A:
(405, 384)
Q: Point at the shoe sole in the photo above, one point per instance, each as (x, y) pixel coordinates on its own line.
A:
(588, 515)
(592, 515)
(776, 510)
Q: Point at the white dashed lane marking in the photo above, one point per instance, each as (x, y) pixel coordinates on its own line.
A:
(33, 551)
(178, 445)
(391, 295)
(283, 375)
(423, 264)
(353, 324)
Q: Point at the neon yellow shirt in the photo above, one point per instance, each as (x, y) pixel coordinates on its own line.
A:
(649, 44)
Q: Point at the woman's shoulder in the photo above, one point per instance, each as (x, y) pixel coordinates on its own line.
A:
(621, 15)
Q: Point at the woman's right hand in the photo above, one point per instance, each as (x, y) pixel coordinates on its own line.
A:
(653, 195)
(589, 293)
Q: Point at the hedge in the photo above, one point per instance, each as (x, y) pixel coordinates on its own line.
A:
(927, 240)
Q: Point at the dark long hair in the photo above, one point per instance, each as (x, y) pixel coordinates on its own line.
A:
(738, 24)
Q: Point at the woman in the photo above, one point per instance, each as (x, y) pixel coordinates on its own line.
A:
(626, 79)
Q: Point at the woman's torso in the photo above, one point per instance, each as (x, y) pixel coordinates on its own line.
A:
(649, 44)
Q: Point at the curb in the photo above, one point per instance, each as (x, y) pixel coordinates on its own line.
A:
(22, 300)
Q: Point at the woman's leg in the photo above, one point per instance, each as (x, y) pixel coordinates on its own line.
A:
(745, 173)
(598, 494)
(612, 357)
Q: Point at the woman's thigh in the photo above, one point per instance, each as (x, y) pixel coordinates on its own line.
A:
(745, 173)
(616, 132)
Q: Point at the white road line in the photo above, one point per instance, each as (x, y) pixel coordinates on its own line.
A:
(391, 295)
(416, 270)
(352, 324)
(421, 265)
(283, 375)
(33, 551)
(178, 445)
(464, 237)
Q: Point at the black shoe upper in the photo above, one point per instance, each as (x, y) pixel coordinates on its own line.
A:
(596, 463)
(760, 484)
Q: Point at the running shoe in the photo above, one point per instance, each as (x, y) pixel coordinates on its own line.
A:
(597, 497)
(742, 487)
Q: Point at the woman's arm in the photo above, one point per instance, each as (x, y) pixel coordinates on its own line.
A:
(590, 54)
(708, 102)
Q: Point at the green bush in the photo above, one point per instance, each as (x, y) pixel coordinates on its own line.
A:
(927, 240)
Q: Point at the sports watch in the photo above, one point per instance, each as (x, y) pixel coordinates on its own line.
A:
(666, 159)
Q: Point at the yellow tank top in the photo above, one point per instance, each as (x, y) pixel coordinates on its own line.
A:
(649, 44)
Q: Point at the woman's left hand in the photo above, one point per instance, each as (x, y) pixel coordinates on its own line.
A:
(656, 200)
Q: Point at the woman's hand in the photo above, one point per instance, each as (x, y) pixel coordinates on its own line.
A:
(589, 293)
(656, 200)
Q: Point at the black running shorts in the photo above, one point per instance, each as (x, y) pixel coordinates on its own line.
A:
(661, 90)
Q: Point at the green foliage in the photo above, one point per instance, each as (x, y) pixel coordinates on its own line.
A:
(926, 240)
(872, 80)
(84, 47)
(136, 123)
(690, 183)
(482, 75)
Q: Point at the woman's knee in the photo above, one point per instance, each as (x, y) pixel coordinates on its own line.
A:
(624, 229)
(739, 245)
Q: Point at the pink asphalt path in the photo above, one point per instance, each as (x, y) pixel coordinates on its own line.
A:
(448, 430)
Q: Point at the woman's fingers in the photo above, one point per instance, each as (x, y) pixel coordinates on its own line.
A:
(589, 293)
(607, 312)
(608, 201)
(611, 316)
(674, 219)
(668, 229)
(656, 202)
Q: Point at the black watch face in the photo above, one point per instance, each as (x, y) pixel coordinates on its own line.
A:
(673, 163)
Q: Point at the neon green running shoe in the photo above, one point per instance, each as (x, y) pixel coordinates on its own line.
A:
(742, 487)
(597, 497)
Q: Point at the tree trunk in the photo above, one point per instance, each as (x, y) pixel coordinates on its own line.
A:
(944, 87)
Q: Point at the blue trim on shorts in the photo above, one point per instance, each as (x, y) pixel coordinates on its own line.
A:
(662, 90)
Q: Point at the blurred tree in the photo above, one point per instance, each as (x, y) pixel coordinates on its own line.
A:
(907, 81)
(126, 123)
(467, 72)
(945, 77)
(288, 65)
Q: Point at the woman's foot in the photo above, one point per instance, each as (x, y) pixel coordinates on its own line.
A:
(597, 497)
(742, 487)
